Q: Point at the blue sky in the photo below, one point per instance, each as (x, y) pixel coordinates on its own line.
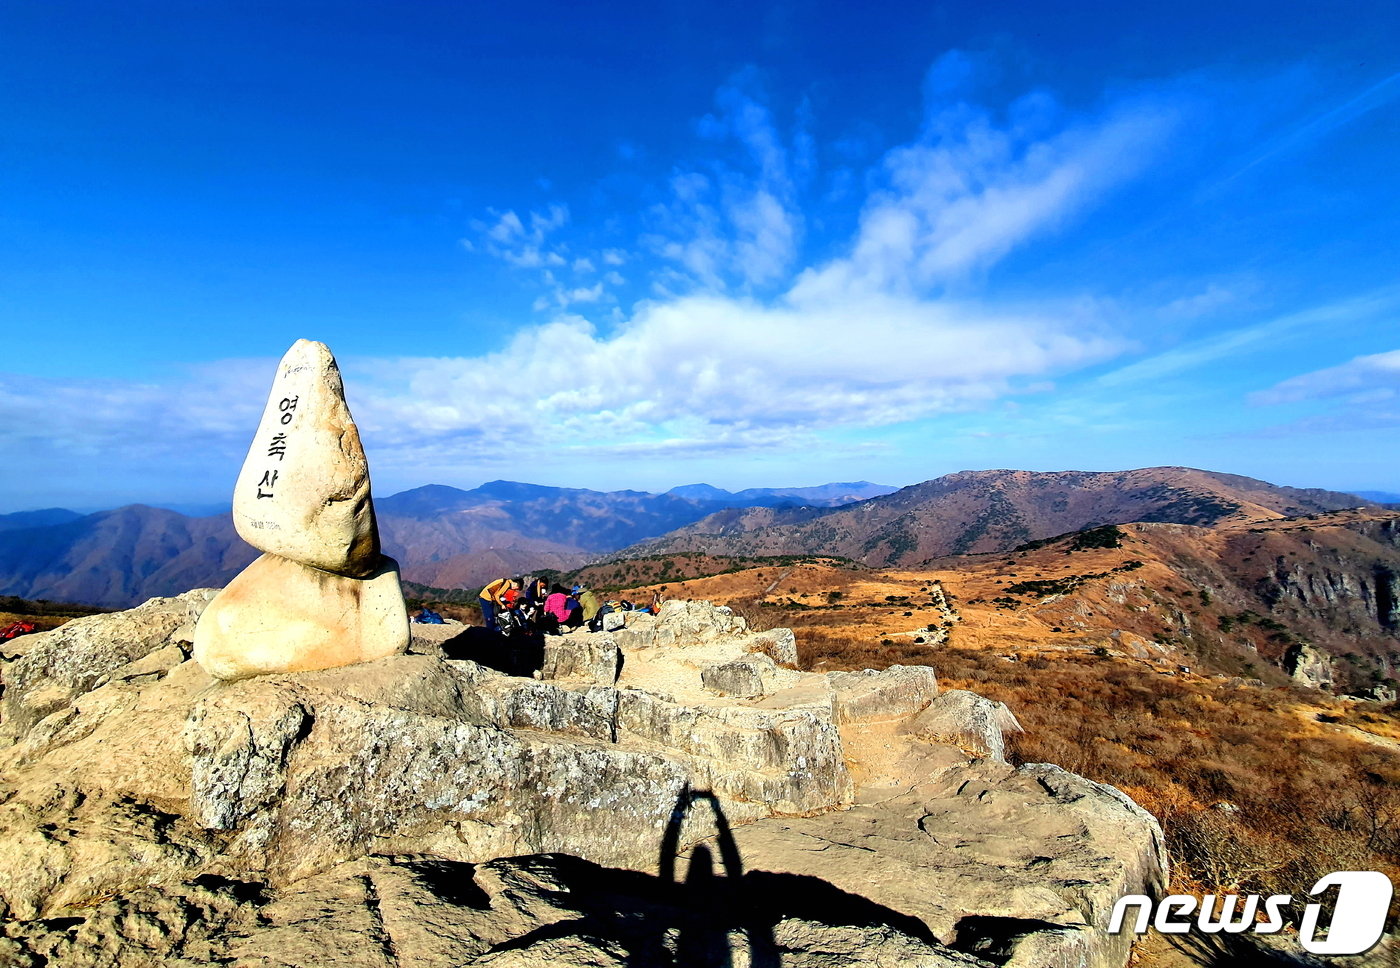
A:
(641, 246)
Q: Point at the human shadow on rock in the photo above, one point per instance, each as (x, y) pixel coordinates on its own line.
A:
(701, 920)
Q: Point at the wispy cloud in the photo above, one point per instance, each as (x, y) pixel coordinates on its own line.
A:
(1371, 98)
(734, 223)
(1220, 346)
(1363, 381)
(213, 407)
(1359, 396)
(968, 192)
(532, 243)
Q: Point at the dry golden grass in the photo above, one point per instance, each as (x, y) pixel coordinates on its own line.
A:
(1253, 797)
(42, 623)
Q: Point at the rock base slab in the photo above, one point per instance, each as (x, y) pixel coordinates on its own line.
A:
(280, 616)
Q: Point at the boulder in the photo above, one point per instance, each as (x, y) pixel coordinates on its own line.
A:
(303, 492)
(1309, 666)
(742, 677)
(281, 616)
(884, 695)
(968, 721)
(780, 645)
(1380, 692)
(694, 621)
(582, 658)
(752, 675)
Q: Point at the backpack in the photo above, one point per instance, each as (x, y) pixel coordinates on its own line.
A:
(595, 624)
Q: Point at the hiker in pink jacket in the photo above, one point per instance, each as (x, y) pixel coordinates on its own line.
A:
(561, 611)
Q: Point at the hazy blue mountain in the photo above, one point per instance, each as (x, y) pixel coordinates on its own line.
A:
(449, 537)
(207, 509)
(120, 557)
(1380, 497)
(37, 519)
(702, 492)
(567, 518)
(821, 495)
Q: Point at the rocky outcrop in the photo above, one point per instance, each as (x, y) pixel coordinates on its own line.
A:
(1018, 866)
(56, 667)
(529, 912)
(154, 814)
(968, 721)
(1309, 666)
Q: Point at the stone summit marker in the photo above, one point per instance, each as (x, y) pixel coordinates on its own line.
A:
(303, 492)
(321, 595)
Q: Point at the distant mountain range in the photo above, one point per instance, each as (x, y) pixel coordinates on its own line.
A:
(452, 538)
(994, 510)
(442, 536)
(117, 558)
(823, 495)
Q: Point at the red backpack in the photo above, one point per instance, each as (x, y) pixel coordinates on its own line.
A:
(15, 630)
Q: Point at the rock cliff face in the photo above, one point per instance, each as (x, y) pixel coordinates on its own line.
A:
(665, 790)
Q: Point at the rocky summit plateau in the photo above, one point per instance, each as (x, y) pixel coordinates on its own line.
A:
(673, 792)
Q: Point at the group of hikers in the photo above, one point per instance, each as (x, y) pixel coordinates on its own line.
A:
(536, 605)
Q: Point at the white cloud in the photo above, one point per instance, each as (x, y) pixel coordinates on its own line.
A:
(507, 228)
(741, 223)
(508, 238)
(541, 224)
(968, 192)
(707, 371)
(1365, 380)
(531, 243)
(530, 257)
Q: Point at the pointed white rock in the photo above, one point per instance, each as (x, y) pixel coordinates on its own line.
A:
(303, 492)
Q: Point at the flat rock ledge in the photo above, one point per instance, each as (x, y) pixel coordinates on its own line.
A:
(671, 792)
